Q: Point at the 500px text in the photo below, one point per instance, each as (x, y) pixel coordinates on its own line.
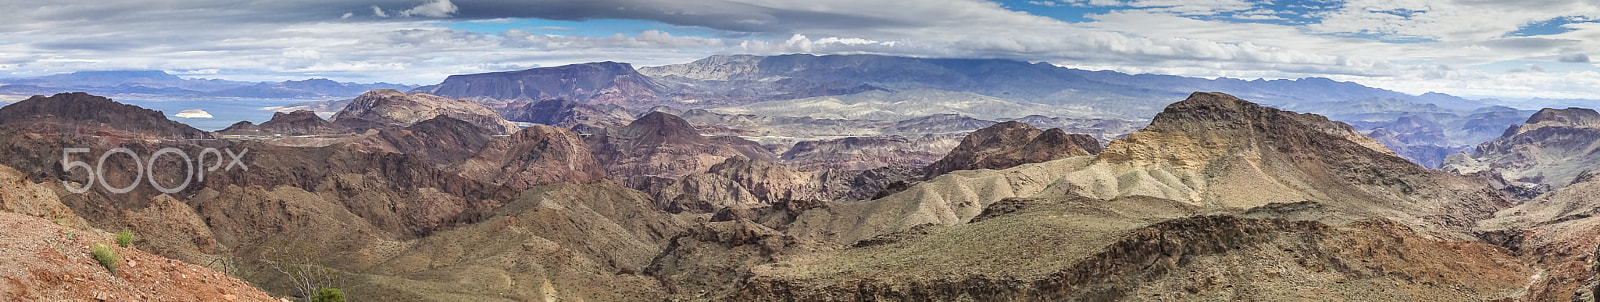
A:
(195, 170)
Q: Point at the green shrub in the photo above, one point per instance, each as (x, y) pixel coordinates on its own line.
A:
(125, 238)
(329, 295)
(107, 256)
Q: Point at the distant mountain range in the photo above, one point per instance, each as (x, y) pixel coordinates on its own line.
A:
(1422, 128)
(159, 84)
(867, 88)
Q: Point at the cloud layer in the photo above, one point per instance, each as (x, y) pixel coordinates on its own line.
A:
(1408, 45)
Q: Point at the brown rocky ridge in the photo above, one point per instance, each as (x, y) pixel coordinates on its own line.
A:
(48, 262)
(660, 147)
(46, 249)
(566, 114)
(81, 112)
(1009, 144)
(353, 199)
(299, 122)
(1285, 201)
(1559, 232)
(1218, 198)
(388, 108)
(1549, 151)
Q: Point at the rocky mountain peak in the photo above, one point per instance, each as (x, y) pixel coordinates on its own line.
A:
(83, 109)
(1214, 124)
(533, 156)
(1012, 143)
(299, 122)
(1572, 117)
(718, 68)
(656, 128)
(389, 108)
(1551, 150)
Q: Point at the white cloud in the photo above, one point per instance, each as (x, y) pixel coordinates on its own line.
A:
(1154, 36)
(434, 8)
(1193, 7)
(1258, 14)
(1447, 20)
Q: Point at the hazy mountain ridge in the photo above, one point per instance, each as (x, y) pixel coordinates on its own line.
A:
(889, 88)
(162, 85)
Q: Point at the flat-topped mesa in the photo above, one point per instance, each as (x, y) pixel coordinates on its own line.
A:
(590, 83)
(79, 109)
(1012, 143)
(1571, 117)
(389, 108)
(1214, 124)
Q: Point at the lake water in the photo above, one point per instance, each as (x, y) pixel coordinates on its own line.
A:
(224, 112)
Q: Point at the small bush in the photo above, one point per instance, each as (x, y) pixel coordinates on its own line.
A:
(329, 295)
(125, 238)
(107, 256)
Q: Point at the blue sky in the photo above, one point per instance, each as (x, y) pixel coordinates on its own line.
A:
(1508, 49)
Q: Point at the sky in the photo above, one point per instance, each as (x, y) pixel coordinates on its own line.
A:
(1473, 48)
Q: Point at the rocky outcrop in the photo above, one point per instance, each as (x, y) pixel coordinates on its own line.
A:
(438, 140)
(739, 182)
(660, 147)
(21, 196)
(533, 156)
(387, 108)
(1214, 148)
(172, 228)
(49, 262)
(589, 83)
(1560, 232)
(861, 153)
(1550, 150)
(713, 259)
(84, 113)
(299, 122)
(1009, 144)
